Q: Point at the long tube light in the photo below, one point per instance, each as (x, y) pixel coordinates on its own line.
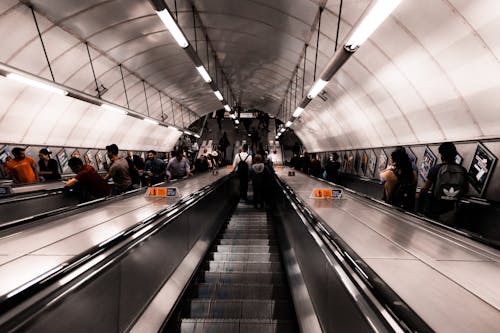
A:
(317, 88)
(227, 107)
(236, 121)
(172, 26)
(370, 22)
(37, 84)
(204, 74)
(113, 108)
(288, 124)
(283, 130)
(151, 121)
(298, 111)
(218, 95)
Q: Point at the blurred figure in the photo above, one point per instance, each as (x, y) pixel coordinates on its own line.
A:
(449, 184)
(332, 169)
(261, 177)
(154, 169)
(87, 182)
(136, 166)
(241, 166)
(119, 171)
(223, 144)
(400, 181)
(315, 166)
(49, 169)
(22, 168)
(219, 114)
(178, 167)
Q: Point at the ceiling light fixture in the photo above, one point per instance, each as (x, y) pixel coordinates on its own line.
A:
(113, 108)
(316, 88)
(172, 26)
(219, 95)
(298, 111)
(151, 121)
(376, 13)
(288, 124)
(227, 107)
(204, 74)
(36, 84)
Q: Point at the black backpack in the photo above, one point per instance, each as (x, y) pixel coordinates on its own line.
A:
(242, 167)
(403, 193)
(450, 182)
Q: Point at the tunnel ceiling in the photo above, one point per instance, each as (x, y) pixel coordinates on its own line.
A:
(429, 73)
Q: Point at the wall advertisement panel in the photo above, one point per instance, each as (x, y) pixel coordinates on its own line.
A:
(372, 164)
(427, 163)
(481, 168)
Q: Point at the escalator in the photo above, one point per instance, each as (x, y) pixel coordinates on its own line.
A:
(241, 286)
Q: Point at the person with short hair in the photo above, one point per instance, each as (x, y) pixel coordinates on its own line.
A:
(154, 169)
(178, 167)
(87, 181)
(22, 168)
(119, 171)
(440, 208)
(49, 169)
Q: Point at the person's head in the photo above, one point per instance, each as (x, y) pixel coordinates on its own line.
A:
(44, 154)
(130, 153)
(151, 154)
(448, 152)
(400, 159)
(18, 153)
(179, 155)
(76, 164)
(335, 156)
(112, 150)
(245, 147)
(257, 159)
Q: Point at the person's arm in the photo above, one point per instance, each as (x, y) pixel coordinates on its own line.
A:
(35, 170)
(71, 182)
(188, 169)
(12, 173)
(168, 170)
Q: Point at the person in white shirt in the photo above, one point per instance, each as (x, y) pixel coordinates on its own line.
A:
(240, 159)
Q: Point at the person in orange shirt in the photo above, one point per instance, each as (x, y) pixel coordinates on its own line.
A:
(22, 168)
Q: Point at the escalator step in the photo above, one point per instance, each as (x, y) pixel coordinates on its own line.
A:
(242, 277)
(246, 235)
(238, 266)
(238, 326)
(250, 227)
(255, 257)
(233, 241)
(241, 291)
(247, 248)
(239, 309)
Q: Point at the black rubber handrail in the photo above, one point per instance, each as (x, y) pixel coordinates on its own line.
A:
(30, 289)
(399, 310)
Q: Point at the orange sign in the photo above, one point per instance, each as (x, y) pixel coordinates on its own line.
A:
(157, 191)
(278, 167)
(229, 167)
(322, 194)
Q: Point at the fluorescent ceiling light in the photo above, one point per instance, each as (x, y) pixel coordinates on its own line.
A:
(283, 130)
(233, 116)
(151, 121)
(298, 111)
(237, 122)
(174, 29)
(316, 88)
(187, 132)
(113, 108)
(204, 74)
(227, 107)
(370, 23)
(219, 95)
(277, 137)
(36, 84)
(197, 136)
(288, 123)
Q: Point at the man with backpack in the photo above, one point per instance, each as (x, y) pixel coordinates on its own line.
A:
(449, 184)
(241, 165)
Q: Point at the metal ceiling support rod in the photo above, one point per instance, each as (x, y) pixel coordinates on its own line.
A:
(43, 44)
(338, 25)
(317, 41)
(124, 87)
(376, 12)
(194, 28)
(304, 71)
(173, 113)
(161, 107)
(93, 72)
(145, 96)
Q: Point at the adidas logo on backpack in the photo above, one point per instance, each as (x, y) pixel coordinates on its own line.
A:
(450, 182)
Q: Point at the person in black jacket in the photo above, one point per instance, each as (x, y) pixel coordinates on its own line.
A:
(332, 169)
(49, 169)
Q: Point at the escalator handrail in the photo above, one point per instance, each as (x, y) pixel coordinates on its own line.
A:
(402, 314)
(30, 289)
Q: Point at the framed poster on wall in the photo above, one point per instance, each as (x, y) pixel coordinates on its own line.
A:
(412, 156)
(382, 160)
(364, 162)
(350, 163)
(345, 159)
(62, 157)
(372, 164)
(481, 168)
(357, 162)
(427, 163)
